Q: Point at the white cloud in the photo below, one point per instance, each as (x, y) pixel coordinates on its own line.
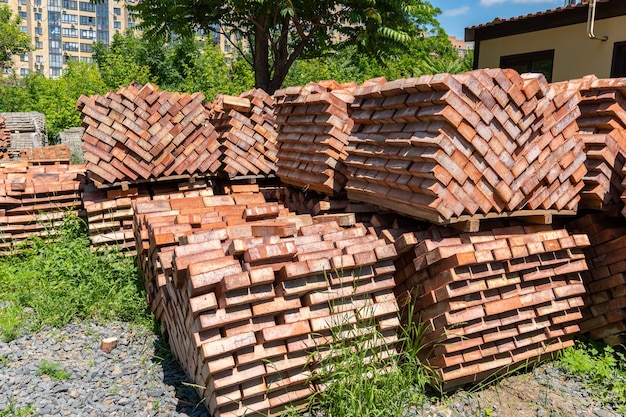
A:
(493, 2)
(456, 12)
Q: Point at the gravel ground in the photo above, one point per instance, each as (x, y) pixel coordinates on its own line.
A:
(139, 378)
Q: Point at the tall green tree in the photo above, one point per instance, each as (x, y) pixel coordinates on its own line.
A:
(278, 32)
(12, 40)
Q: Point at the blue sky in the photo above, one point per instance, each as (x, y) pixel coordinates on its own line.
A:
(459, 14)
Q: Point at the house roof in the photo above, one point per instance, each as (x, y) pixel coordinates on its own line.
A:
(557, 17)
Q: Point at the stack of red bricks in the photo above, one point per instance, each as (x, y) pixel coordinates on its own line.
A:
(246, 128)
(35, 198)
(55, 154)
(492, 300)
(602, 127)
(488, 141)
(247, 291)
(140, 133)
(5, 139)
(110, 211)
(313, 132)
(605, 313)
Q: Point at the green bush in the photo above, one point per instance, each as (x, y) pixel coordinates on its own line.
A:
(54, 280)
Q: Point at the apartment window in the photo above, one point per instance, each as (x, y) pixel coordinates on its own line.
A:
(23, 2)
(117, 25)
(87, 20)
(618, 67)
(540, 62)
(23, 71)
(86, 59)
(23, 15)
(70, 4)
(39, 59)
(24, 58)
(69, 32)
(70, 46)
(55, 72)
(38, 17)
(37, 3)
(117, 11)
(24, 29)
(38, 31)
(86, 6)
(86, 47)
(87, 34)
(55, 60)
(69, 18)
(38, 45)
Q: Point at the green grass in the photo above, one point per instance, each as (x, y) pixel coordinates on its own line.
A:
(603, 369)
(56, 280)
(12, 411)
(365, 377)
(52, 370)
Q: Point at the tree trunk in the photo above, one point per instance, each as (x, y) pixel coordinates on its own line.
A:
(261, 59)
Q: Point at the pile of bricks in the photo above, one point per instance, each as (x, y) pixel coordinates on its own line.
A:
(247, 292)
(110, 211)
(5, 139)
(602, 127)
(246, 128)
(140, 133)
(313, 132)
(492, 300)
(605, 313)
(488, 141)
(54, 154)
(33, 199)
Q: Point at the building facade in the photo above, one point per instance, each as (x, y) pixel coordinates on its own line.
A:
(63, 30)
(563, 43)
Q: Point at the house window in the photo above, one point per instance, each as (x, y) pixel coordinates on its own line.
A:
(541, 62)
(618, 67)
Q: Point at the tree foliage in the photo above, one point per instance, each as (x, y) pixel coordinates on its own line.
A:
(278, 32)
(12, 40)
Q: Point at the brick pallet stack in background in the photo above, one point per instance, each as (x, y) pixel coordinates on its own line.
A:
(313, 131)
(35, 198)
(139, 133)
(246, 128)
(492, 300)
(249, 289)
(5, 140)
(55, 154)
(605, 310)
(602, 127)
(488, 141)
(110, 211)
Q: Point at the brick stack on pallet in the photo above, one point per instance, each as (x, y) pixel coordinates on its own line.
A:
(602, 127)
(492, 300)
(313, 132)
(35, 198)
(110, 211)
(246, 128)
(443, 146)
(140, 133)
(605, 312)
(246, 291)
(5, 139)
(54, 154)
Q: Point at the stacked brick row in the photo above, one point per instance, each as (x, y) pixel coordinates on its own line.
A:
(139, 133)
(492, 300)
(33, 199)
(602, 127)
(605, 313)
(54, 154)
(247, 292)
(488, 141)
(246, 128)
(110, 211)
(5, 139)
(314, 127)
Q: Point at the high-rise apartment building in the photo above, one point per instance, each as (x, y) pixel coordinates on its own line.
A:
(63, 30)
